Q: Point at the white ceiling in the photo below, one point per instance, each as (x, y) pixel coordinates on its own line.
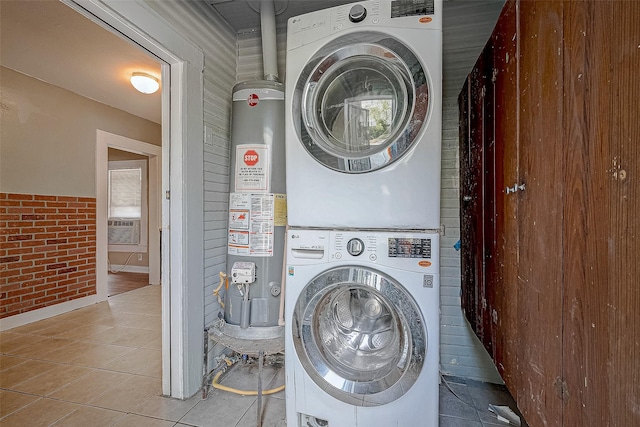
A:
(51, 42)
(243, 15)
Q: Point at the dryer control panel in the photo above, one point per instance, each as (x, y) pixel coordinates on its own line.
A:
(366, 15)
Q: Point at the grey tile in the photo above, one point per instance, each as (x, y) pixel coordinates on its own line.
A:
(453, 406)
(489, 418)
(132, 420)
(225, 408)
(454, 380)
(277, 381)
(495, 423)
(447, 421)
(272, 414)
(485, 394)
(460, 390)
(167, 408)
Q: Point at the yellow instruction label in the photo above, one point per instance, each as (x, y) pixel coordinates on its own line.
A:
(280, 210)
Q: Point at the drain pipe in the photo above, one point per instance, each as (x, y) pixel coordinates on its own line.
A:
(269, 44)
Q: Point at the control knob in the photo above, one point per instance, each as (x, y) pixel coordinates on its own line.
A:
(355, 247)
(357, 13)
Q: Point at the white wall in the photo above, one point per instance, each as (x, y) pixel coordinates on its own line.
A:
(466, 28)
(198, 22)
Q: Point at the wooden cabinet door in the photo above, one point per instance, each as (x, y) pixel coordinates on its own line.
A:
(503, 295)
(540, 213)
(602, 213)
(468, 209)
(472, 193)
(551, 272)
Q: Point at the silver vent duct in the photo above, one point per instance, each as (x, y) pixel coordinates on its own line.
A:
(268, 11)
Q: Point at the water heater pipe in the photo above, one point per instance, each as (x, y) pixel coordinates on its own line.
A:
(269, 45)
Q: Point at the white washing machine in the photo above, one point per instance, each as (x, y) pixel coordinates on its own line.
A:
(364, 113)
(362, 329)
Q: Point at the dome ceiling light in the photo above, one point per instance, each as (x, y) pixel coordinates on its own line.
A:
(145, 83)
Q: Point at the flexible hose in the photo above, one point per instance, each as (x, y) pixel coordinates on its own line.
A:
(219, 386)
(223, 279)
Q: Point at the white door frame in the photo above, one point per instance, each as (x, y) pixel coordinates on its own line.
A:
(182, 178)
(104, 141)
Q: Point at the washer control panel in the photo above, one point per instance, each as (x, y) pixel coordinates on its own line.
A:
(409, 248)
(399, 249)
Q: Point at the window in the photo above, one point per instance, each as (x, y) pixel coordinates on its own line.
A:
(127, 206)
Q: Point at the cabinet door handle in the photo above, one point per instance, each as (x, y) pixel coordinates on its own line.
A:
(515, 188)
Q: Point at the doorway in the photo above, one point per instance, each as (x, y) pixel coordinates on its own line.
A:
(105, 141)
(183, 252)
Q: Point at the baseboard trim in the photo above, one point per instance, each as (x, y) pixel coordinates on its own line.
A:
(46, 312)
(129, 269)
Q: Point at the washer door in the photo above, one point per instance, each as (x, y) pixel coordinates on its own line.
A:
(361, 102)
(359, 335)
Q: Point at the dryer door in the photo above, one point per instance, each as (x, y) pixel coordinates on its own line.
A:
(361, 102)
(359, 335)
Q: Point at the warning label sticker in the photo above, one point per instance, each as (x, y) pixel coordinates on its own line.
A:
(239, 219)
(252, 168)
(251, 222)
(280, 210)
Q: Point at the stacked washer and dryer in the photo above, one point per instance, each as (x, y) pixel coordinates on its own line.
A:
(363, 149)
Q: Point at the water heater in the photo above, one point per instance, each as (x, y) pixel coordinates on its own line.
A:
(257, 207)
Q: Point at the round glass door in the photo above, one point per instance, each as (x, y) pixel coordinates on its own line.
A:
(361, 102)
(359, 335)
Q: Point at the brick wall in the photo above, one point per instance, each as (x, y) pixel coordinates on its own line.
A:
(47, 251)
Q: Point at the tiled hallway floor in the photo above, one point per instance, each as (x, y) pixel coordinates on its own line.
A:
(101, 366)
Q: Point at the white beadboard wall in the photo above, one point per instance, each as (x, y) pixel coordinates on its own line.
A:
(200, 23)
(467, 25)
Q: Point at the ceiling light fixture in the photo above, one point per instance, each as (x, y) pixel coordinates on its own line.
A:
(145, 83)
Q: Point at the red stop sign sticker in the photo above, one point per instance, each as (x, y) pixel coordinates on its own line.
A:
(252, 100)
(250, 158)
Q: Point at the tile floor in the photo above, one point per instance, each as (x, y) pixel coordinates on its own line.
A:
(101, 366)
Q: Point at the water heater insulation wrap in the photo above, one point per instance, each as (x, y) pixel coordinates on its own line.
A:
(257, 203)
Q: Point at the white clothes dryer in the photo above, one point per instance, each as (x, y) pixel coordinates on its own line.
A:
(362, 329)
(364, 112)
